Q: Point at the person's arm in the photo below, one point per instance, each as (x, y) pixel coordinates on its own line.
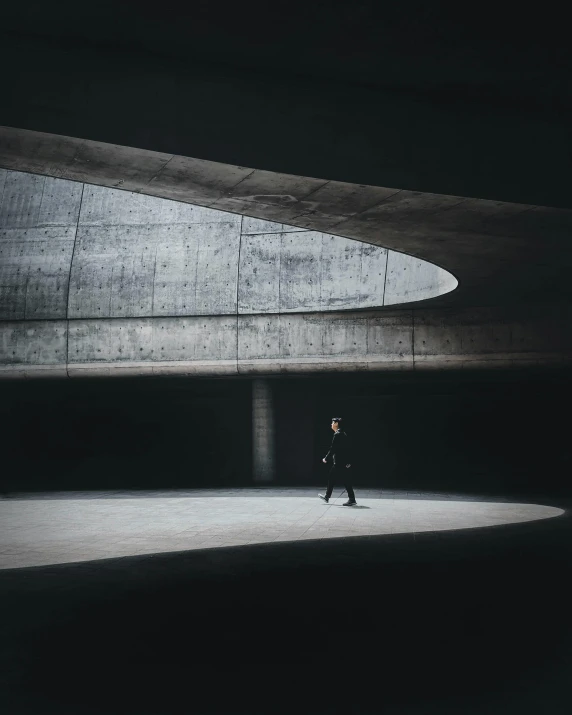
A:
(331, 451)
(348, 453)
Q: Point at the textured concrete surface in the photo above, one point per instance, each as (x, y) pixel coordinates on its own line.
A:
(500, 252)
(289, 343)
(100, 281)
(80, 251)
(72, 527)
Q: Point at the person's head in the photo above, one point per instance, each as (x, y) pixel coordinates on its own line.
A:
(337, 423)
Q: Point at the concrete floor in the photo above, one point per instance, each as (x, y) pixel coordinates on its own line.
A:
(66, 527)
(471, 621)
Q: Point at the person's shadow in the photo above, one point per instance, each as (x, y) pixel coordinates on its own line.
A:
(357, 506)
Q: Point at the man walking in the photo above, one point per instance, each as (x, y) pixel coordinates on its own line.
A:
(340, 456)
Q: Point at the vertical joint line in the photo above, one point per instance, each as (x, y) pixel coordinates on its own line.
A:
(152, 284)
(69, 281)
(238, 287)
(385, 275)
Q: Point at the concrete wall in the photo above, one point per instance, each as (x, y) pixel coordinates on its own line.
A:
(102, 281)
(81, 251)
(500, 252)
(295, 343)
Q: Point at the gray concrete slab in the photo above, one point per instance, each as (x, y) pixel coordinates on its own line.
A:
(71, 527)
(466, 235)
(93, 254)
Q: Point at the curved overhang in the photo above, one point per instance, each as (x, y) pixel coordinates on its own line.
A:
(122, 254)
(499, 252)
(492, 248)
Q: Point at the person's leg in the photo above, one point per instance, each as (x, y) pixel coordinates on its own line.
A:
(331, 482)
(350, 491)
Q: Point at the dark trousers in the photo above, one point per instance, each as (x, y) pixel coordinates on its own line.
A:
(337, 475)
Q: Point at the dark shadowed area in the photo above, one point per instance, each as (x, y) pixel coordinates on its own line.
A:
(472, 432)
(467, 622)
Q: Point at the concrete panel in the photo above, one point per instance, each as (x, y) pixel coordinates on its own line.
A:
(259, 271)
(259, 337)
(153, 340)
(489, 336)
(390, 338)
(21, 200)
(340, 274)
(198, 339)
(91, 287)
(34, 272)
(217, 275)
(14, 272)
(409, 279)
(301, 336)
(458, 336)
(317, 342)
(300, 272)
(316, 272)
(344, 336)
(110, 340)
(38, 343)
(121, 271)
(112, 272)
(372, 278)
(174, 284)
(61, 201)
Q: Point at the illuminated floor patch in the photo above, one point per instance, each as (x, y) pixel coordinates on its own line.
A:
(72, 527)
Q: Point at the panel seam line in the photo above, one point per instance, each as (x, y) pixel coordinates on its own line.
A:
(69, 281)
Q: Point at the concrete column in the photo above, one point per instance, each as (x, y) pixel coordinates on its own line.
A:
(263, 460)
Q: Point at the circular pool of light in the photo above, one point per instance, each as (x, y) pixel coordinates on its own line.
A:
(72, 527)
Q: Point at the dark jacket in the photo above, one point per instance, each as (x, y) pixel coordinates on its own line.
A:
(339, 451)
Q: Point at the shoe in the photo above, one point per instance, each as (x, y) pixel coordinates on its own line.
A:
(324, 498)
(350, 503)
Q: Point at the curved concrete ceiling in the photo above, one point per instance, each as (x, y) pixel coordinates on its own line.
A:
(500, 252)
(120, 254)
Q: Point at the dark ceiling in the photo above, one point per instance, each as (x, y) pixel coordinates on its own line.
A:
(460, 51)
(465, 99)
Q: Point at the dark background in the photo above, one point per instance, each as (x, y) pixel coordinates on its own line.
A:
(473, 432)
(460, 100)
